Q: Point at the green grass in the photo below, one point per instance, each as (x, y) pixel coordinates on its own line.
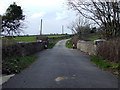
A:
(68, 44)
(52, 43)
(22, 38)
(93, 37)
(56, 35)
(26, 39)
(17, 64)
(29, 38)
(100, 62)
(104, 64)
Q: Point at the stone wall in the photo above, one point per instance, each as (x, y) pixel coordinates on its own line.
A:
(87, 47)
(21, 49)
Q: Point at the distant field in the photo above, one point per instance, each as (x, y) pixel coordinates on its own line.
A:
(56, 35)
(30, 38)
(93, 37)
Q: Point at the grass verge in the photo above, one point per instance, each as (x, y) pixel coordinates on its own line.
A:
(52, 43)
(17, 64)
(68, 44)
(100, 62)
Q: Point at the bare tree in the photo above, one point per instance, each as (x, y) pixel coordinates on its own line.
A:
(80, 26)
(0, 24)
(105, 13)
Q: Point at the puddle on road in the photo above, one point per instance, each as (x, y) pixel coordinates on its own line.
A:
(58, 79)
(74, 75)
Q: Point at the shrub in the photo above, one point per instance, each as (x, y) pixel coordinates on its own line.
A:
(74, 40)
(110, 50)
(17, 64)
(21, 49)
(68, 44)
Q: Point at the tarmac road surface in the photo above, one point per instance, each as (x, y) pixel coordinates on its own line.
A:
(61, 67)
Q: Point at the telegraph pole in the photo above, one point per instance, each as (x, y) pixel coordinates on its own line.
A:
(41, 28)
(62, 29)
(0, 24)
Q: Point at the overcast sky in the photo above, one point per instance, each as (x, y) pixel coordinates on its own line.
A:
(53, 12)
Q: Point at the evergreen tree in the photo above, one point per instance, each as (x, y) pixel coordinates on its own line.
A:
(12, 20)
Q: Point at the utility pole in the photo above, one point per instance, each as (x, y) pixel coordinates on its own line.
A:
(62, 29)
(0, 24)
(41, 28)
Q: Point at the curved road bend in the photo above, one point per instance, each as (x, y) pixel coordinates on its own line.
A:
(61, 67)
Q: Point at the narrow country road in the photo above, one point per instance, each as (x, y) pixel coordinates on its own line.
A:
(61, 67)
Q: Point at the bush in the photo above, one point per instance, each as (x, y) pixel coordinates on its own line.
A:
(17, 64)
(68, 44)
(110, 50)
(21, 49)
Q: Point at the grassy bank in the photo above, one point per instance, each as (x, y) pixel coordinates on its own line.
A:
(93, 37)
(100, 62)
(15, 65)
(68, 44)
(52, 42)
